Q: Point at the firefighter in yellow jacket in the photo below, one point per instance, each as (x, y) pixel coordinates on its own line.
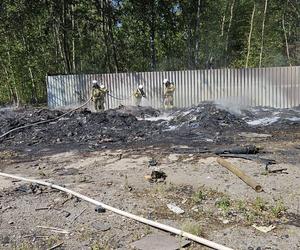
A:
(98, 96)
(138, 94)
(169, 94)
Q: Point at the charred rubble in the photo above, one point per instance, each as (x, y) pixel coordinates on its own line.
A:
(202, 125)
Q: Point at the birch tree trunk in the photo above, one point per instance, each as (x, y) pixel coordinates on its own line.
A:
(229, 24)
(250, 34)
(73, 39)
(223, 24)
(262, 33)
(152, 36)
(286, 41)
(197, 35)
(65, 37)
(12, 95)
(228, 31)
(59, 45)
(15, 91)
(34, 97)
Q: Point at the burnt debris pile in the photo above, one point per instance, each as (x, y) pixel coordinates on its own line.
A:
(81, 126)
(11, 119)
(200, 125)
(141, 112)
(209, 118)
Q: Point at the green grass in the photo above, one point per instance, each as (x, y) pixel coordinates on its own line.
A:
(278, 209)
(260, 204)
(192, 227)
(223, 203)
(199, 196)
(97, 246)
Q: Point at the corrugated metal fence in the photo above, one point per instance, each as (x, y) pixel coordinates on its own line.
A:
(275, 87)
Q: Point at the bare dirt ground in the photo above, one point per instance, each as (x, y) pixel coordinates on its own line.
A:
(217, 204)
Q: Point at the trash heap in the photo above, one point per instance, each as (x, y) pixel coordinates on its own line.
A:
(124, 126)
(208, 117)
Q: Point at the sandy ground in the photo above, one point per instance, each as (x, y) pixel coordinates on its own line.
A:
(218, 205)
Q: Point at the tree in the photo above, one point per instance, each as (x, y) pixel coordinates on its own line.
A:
(81, 36)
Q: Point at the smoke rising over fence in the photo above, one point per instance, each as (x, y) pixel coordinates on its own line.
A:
(274, 87)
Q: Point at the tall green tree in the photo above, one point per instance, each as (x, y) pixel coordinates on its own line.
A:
(105, 36)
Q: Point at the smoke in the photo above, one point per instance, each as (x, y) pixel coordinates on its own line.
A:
(233, 104)
(8, 108)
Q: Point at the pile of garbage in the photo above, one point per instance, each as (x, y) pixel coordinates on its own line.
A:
(124, 126)
(275, 117)
(207, 117)
(77, 127)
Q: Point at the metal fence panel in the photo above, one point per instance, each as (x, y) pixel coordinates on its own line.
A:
(275, 87)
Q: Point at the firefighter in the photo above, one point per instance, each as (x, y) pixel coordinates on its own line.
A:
(168, 94)
(98, 96)
(138, 94)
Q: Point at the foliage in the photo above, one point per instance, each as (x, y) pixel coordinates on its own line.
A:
(199, 196)
(80, 36)
(223, 203)
(192, 227)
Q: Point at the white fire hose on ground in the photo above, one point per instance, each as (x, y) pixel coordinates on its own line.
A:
(124, 213)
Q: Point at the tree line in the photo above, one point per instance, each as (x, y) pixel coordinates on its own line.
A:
(40, 37)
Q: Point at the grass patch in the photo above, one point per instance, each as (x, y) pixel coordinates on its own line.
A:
(199, 196)
(97, 246)
(260, 211)
(25, 246)
(279, 209)
(260, 204)
(192, 227)
(223, 203)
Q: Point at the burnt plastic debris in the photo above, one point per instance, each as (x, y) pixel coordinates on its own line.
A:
(249, 149)
(100, 209)
(28, 188)
(158, 175)
(152, 163)
(202, 127)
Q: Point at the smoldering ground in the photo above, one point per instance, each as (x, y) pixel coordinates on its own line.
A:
(203, 126)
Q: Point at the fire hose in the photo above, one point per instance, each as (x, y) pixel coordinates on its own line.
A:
(117, 98)
(152, 223)
(41, 122)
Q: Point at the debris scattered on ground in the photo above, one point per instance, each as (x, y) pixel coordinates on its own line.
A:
(279, 170)
(54, 229)
(76, 217)
(248, 149)
(101, 226)
(175, 209)
(31, 188)
(148, 178)
(225, 221)
(264, 229)
(204, 124)
(5, 239)
(234, 169)
(76, 150)
(68, 171)
(152, 163)
(56, 246)
(255, 158)
(254, 135)
(159, 241)
(6, 208)
(100, 209)
(156, 176)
